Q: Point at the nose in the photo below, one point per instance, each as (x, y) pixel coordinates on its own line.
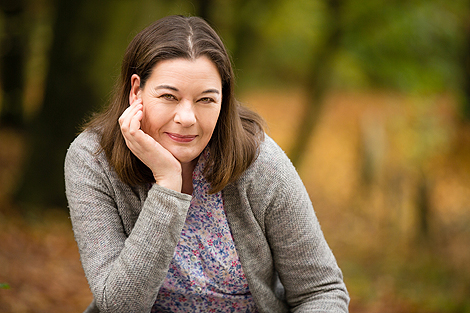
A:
(184, 114)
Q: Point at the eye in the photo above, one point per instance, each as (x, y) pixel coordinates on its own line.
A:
(168, 96)
(207, 100)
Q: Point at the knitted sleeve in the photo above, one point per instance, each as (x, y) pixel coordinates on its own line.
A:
(307, 268)
(124, 271)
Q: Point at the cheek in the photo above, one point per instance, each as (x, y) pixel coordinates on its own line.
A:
(210, 121)
(145, 122)
(150, 122)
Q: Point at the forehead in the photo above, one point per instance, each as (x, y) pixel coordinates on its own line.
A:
(180, 70)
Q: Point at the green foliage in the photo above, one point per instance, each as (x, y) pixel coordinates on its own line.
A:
(294, 33)
(411, 46)
(4, 286)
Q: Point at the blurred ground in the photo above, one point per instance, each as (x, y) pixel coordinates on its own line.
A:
(38, 257)
(364, 168)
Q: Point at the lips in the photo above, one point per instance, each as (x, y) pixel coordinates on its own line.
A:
(181, 138)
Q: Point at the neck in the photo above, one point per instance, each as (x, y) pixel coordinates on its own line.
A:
(187, 175)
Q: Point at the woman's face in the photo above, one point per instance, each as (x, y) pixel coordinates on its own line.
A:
(181, 104)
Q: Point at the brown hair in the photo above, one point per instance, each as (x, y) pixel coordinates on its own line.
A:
(238, 132)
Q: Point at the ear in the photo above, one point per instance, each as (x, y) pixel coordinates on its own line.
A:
(135, 92)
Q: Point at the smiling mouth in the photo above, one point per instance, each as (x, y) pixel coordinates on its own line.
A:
(181, 138)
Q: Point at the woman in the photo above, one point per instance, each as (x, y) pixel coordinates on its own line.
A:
(185, 205)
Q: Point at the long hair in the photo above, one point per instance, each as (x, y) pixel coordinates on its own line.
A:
(237, 135)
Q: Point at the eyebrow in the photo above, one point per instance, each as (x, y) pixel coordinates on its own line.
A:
(176, 89)
(166, 87)
(211, 91)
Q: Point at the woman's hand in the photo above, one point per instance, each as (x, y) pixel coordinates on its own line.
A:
(165, 167)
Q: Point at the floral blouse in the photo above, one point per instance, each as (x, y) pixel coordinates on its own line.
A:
(205, 274)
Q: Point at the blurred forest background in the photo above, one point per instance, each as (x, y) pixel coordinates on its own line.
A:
(370, 99)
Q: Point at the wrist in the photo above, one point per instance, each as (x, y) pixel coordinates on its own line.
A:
(174, 182)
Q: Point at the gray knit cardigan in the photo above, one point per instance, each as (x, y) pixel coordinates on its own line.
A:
(126, 235)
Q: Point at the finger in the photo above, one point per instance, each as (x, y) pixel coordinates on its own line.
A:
(134, 123)
(130, 108)
(128, 114)
(136, 139)
(124, 116)
(136, 101)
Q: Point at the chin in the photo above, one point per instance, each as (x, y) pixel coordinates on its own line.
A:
(186, 158)
(185, 154)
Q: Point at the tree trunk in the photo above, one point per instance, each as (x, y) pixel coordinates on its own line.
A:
(69, 96)
(423, 208)
(316, 84)
(12, 51)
